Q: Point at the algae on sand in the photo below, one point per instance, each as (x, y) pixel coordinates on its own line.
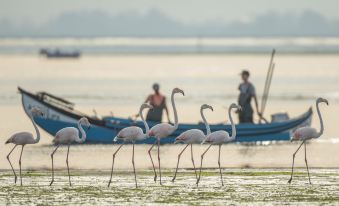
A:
(247, 186)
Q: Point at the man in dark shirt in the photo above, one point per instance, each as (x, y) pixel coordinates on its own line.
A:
(158, 101)
(247, 92)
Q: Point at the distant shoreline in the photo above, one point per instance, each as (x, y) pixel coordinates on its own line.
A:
(173, 45)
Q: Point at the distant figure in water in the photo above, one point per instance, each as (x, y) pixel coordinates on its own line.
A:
(158, 101)
(247, 92)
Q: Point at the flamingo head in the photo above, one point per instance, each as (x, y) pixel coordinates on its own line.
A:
(177, 90)
(234, 105)
(206, 106)
(320, 99)
(85, 122)
(35, 111)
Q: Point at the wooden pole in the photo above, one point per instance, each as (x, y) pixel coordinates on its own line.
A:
(267, 85)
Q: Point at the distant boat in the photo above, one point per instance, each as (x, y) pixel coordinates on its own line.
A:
(60, 113)
(59, 54)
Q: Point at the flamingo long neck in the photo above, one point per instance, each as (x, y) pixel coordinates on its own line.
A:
(234, 132)
(145, 123)
(37, 139)
(175, 112)
(208, 129)
(83, 133)
(321, 122)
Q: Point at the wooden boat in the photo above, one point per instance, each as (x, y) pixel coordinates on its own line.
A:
(60, 113)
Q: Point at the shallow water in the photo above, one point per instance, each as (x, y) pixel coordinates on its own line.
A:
(242, 186)
(119, 83)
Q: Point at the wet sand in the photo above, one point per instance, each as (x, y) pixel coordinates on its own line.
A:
(99, 157)
(242, 186)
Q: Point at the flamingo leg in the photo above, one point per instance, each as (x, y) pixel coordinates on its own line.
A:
(290, 180)
(222, 182)
(110, 180)
(202, 157)
(159, 160)
(15, 177)
(308, 173)
(52, 155)
(150, 155)
(179, 155)
(20, 164)
(135, 175)
(195, 171)
(69, 176)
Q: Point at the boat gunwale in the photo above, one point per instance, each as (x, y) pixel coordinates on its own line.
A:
(61, 110)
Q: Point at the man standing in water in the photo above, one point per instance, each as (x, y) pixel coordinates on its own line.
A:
(158, 101)
(247, 92)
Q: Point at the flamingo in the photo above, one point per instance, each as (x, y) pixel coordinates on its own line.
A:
(307, 133)
(132, 134)
(23, 138)
(193, 136)
(163, 130)
(69, 135)
(218, 138)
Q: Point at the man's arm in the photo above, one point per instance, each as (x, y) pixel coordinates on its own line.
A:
(148, 99)
(254, 95)
(256, 105)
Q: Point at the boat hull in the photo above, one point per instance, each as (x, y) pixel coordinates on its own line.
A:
(104, 130)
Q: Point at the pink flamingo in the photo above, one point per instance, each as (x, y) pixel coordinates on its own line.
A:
(163, 130)
(307, 133)
(69, 135)
(23, 138)
(193, 136)
(131, 134)
(218, 138)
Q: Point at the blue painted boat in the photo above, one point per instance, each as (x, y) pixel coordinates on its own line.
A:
(60, 113)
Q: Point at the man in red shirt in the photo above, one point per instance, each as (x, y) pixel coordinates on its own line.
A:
(158, 101)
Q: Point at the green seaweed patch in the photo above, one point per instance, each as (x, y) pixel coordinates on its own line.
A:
(35, 174)
(262, 173)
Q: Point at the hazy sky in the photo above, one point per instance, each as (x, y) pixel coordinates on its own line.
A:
(183, 10)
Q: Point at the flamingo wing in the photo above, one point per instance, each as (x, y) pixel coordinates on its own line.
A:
(161, 130)
(192, 136)
(217, 137)
(129, 133)
(21, 138)
(304, 133)
(66, 135)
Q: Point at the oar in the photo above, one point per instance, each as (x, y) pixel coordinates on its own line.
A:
(265, 95)
(267, 86)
